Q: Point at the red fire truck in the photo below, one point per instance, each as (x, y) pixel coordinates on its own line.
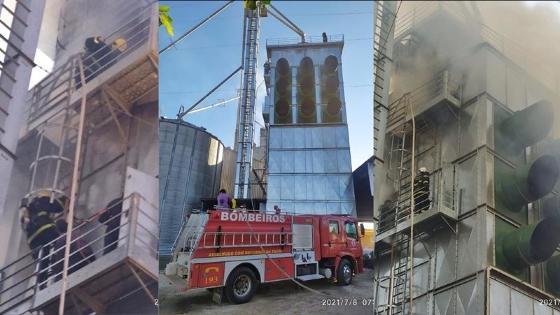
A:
(233, 251)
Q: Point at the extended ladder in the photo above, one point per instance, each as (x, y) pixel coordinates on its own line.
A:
(247, 104)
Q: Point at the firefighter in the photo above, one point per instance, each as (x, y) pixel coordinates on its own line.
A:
(224, 201)
(98, 56)
(111, 217)
(36, 219)
(422, 190)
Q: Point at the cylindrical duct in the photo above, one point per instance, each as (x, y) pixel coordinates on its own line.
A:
(283, 94)
(306, 92)
(528, 126)
(529, 182)
(531, 244)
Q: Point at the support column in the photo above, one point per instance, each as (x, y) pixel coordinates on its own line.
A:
(294, 95)
(318, 96)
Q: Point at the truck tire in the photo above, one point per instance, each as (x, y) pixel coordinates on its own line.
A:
(241, 285)
(344, 272)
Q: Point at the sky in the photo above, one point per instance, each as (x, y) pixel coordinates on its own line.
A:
(199, 62)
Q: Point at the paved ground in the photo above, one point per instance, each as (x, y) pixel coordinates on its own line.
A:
(283, 297)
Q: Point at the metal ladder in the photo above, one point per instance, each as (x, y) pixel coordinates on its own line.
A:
(192, 233)
(247, 105)
(399, 275)
(382, 54)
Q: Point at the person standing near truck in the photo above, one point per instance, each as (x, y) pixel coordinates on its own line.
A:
(224, 200)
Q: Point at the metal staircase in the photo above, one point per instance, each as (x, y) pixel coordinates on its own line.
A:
(244, 145)
(177, 271)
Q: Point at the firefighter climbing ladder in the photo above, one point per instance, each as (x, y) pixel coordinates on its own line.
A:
(247, 104)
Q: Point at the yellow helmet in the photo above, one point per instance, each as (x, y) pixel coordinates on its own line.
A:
(120, 44)
(43, 193)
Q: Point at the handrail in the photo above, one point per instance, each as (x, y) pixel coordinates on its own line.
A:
(337, 38)
(60, 84)
(443, 84)
(439, 196)
(17, 281)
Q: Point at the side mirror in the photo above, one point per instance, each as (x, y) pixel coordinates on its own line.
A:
(362, 229)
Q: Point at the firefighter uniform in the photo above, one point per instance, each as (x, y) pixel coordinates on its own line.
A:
(422, 190)
(41, 230)
(97, 57)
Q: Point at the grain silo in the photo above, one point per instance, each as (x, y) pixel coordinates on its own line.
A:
(190, 169)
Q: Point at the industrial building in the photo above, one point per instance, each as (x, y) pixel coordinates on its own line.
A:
(88, 131)
(308, 152)
(480, 113)
(21, 21)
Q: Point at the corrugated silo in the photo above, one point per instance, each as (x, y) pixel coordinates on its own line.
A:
(190, 169)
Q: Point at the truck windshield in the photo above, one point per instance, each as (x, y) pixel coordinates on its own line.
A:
(350, 228)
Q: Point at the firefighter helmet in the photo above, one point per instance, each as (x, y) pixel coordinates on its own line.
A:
(120, 44)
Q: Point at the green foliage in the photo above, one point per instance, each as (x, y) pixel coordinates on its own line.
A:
(252, 4)
(165, 19)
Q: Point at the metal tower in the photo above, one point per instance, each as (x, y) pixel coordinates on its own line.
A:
(245, 132)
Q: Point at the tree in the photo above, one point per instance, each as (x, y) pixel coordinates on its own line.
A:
(165, 19)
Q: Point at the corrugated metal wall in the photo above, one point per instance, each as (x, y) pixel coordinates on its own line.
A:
(191, 162)
(309, 165)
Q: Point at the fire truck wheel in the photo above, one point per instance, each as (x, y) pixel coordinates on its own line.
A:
(241, 285)
(344, 273)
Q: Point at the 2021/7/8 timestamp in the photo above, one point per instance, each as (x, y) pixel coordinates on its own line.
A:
(550, 302)
(347, 302)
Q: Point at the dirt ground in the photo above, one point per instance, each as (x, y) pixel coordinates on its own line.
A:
(283, 297)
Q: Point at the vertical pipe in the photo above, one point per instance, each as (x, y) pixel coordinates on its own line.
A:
(73, 189)
(412, 204)
(34, 174)
(60, 150)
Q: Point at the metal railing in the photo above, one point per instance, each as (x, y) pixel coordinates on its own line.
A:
(91, 240)
(308, 40)
(444, 85)
(442, 194)
(56, 89)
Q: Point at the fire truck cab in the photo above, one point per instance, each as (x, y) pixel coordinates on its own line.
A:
(235, 250)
